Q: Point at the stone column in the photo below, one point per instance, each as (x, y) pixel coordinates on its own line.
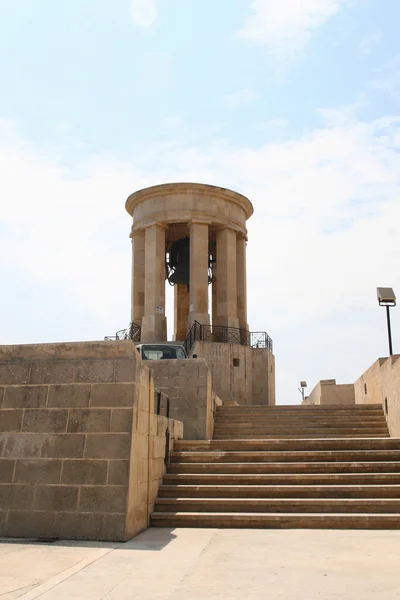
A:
(241, 281)
(199, 261)
(154, 322)
(214, 295)
(137, 307)
(181, 303)
(226, 268)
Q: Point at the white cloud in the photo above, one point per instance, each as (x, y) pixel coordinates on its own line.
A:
(143, 12)
(284, 27)
(324, 235)
(341, 115)
(388, 80)
(369, 42)
(243, 97)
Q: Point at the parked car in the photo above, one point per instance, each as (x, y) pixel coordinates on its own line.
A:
(161, 351)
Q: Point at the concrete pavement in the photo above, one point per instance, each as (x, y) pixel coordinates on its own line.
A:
(205, 564)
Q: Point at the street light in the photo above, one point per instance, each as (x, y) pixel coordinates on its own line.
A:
(303, 385)
(387, 297)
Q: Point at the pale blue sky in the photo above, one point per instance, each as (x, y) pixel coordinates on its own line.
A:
(293, 103)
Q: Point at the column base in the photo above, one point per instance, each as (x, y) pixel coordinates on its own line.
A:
(227, 322)
(202, 318)
(154, 329)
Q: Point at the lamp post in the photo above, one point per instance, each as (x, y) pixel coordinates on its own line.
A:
(387, 297)
(303, 385)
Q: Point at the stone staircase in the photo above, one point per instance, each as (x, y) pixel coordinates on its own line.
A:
(286, 467)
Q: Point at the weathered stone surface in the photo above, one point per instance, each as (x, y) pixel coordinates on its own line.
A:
(93, 472)
(7, 467)
(71, 451)
(11, 420)
(24, 523)
(45, 421)
(121, 420)
(118, 472)
(117, 395)
(86, 526)
(14, 373)
(115, 528)
(56, 498)
(69, 395)
(18, 445)
(89, 420)
(16, 496)
(25, 396)
(52, 372)
(94, 371)
(112, 445)
(109, 498)
(37, 471)
(68, 445)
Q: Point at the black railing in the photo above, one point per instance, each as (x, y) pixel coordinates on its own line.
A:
(132, 333)
(226, 335)
(159, 395)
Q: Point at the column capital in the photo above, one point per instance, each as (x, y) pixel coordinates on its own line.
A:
(136, 231)
(199, 221)
(160, 224)
(231, 227)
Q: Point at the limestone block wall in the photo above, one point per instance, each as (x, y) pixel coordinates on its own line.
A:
(327, 392)
(80, 446)
(381, 384)
(263, 377)
(240, 373)
(188, 384)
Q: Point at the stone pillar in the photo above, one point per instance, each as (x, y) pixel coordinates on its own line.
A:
(199, 261)
(241, 281)
(137, 307)
(154, 322)
(214, 295)
(226, 268)
(181, 304)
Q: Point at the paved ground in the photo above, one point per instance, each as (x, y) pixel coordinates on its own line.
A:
(204, 564)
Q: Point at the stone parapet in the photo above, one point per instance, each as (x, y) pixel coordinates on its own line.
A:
(188, 384)
(81, 450)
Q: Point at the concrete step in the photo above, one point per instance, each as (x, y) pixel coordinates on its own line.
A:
(299, 423)
(280, 505)
(299, 436)
(276, 520)
(346, 423)
(334, 433)
(300, 419)
(293, 444)
(283, 478)
(299, 409)
(279, 491)
(282, 467)
(291, 456)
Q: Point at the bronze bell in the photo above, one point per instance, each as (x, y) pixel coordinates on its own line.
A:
(179, 262)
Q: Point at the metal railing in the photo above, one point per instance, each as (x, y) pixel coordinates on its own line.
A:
(131, 333)
(226, 335)
(158, 401)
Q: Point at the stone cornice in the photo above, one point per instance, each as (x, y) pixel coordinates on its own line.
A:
(183, 188)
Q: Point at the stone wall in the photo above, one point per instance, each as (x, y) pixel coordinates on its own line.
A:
(328, 392)
(380, 384)
(81, 451)
(263, 377)
(188, 384)
(240, 373)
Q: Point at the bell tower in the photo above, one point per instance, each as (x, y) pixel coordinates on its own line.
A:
(192, 236)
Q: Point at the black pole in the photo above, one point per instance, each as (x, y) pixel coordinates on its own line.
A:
(389, 330)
